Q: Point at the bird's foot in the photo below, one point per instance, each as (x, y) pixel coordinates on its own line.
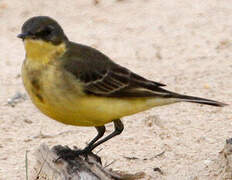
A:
(67, 153)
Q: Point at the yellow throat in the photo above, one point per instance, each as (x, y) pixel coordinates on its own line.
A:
(42, 51)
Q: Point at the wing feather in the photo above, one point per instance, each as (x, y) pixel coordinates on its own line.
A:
(120, 82)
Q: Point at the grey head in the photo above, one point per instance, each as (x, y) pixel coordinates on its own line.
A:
(43, 28)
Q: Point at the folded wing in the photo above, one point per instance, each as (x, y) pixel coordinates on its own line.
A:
(117, 81)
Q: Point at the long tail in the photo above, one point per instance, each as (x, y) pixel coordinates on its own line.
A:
(199, 100)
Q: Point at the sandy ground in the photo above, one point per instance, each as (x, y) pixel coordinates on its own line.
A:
(184, 44)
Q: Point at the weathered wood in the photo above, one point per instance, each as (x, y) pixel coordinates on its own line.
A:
(47, 167)
(226, 161)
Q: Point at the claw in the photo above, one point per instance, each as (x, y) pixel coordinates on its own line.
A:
(69, 154)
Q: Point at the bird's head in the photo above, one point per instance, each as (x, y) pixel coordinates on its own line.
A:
(43, 28)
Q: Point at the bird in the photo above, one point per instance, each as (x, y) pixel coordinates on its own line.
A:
(78, 85)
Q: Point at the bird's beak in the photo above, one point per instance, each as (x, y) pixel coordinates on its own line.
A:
(23, 35)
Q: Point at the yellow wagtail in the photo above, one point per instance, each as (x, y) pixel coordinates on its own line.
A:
(78, 85)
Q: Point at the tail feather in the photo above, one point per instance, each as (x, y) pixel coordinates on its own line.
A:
(200, 100)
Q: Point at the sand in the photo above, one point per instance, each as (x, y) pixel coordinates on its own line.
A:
(184, 44)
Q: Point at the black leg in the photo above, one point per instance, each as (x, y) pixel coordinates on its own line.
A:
(71, 154)
(118, 128)
(100, 132)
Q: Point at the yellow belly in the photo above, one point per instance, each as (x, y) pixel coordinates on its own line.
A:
(95, 111)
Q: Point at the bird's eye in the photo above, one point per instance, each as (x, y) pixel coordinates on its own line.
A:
(44, 32)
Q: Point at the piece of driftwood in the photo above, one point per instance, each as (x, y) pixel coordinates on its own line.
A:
(47, 167)
(226, 161)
